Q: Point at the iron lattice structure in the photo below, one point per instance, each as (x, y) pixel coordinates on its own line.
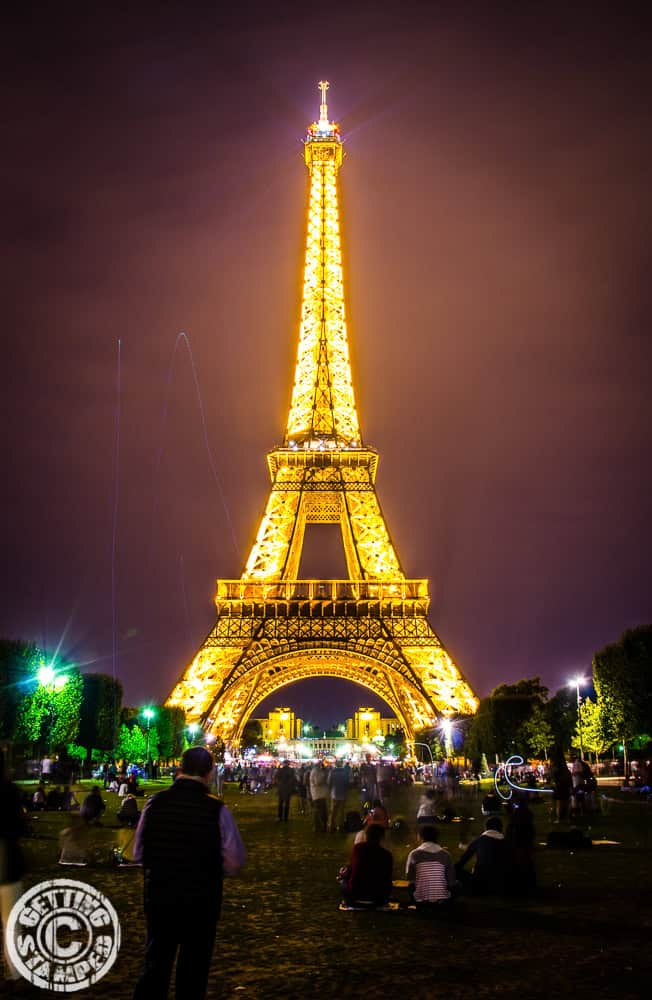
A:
(272, 628)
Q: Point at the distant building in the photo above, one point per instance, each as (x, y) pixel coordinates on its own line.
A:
(280, 726)
(361, 736)
(367, 724)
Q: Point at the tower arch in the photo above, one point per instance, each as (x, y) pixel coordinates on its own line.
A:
(383, 679)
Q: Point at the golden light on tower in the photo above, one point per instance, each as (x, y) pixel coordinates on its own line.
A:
(372, 627)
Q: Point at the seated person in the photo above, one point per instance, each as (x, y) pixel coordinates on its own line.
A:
(128, 813)
(491, 805)
(370, 880)
(430, 871)
(38, 798)
(491, 860)
(377, 815)
(68, 799)
(427, 808)
(53, 802)
(93, 806)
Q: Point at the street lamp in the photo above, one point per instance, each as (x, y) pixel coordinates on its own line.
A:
(575, 682)
(432, 761)
(193, 728)
(447, 730)
(149, 715)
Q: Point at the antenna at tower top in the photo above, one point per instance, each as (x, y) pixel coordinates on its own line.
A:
(323, 85)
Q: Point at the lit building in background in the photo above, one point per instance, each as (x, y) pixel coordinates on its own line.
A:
(366, 734)
(367, 724)
(280, 725)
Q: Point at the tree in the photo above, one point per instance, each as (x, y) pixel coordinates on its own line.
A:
(132, 743)
(49, 713)
(622, 676)
(171, 725)
(561, 713)
(537, 732)
(19, 663)
(497, 727)
(596, 733)
(252, 734)
(154, 749)
(100, 712)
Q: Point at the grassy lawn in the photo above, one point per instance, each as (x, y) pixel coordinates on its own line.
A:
(585, 933)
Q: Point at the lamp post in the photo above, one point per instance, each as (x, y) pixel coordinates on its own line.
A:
(148, 713)
(432, 760)
(447, 730)
(575, 682)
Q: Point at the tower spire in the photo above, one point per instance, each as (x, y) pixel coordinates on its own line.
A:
(322, 410)
(324, 124)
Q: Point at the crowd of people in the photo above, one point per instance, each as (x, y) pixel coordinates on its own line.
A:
(496, 863)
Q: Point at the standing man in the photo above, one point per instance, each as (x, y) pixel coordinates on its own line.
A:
(318, 782)
(187, 841)
(338, 782)
(285, 786)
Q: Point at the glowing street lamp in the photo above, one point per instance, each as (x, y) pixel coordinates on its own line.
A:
(148, 714)
(576, 682)
(447, 730)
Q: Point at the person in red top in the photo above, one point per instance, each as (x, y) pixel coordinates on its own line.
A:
(370, 881)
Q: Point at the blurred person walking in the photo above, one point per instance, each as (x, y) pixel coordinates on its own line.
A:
(319, 796)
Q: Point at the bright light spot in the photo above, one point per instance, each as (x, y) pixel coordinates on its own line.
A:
(60, 682)
(148, 713)
(45, 676)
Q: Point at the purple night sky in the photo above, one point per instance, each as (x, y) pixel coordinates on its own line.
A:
(497, 217)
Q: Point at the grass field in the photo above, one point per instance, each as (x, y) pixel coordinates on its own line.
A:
(586, 933)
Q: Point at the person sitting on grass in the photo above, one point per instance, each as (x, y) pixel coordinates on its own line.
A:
(427, 808)
(39, 798)
(128, 813)
(53, 801)
(430, 871)
(369, 884)
(93, 806)
(68, 800)
(489, 875)
(378, 816)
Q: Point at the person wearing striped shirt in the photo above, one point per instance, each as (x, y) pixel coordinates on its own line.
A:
(430, 871)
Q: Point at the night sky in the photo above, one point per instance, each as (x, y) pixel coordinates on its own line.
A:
(497, 217)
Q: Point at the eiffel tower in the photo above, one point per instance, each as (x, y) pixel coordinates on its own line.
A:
(273, 629)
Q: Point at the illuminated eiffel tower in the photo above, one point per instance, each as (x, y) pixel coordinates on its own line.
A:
(272, 628)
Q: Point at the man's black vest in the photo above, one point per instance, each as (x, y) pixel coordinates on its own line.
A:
(182, 847)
